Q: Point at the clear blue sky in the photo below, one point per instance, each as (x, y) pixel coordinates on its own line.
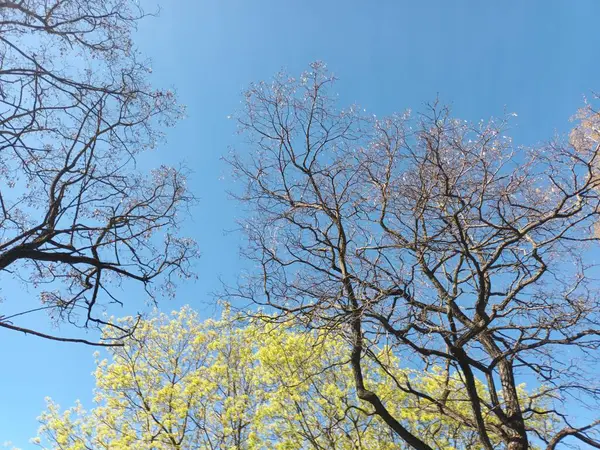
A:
(535, 58)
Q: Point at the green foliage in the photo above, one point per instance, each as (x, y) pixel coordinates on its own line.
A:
(187, 384)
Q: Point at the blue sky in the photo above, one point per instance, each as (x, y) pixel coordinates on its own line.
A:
(535, 58)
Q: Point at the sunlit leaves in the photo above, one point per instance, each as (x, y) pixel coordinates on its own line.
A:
(183, 383)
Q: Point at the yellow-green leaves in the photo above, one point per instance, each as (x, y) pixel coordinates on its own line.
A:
(183, 383)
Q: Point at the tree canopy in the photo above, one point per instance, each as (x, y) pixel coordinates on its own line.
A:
(183, 383)
(410, 275)
(435, 237)
(77, 215)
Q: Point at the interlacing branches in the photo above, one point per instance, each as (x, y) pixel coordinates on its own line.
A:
(77, 218)
(437, 238)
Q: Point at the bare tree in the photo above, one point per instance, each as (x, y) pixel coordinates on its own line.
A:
(437, 238)
(77, 218)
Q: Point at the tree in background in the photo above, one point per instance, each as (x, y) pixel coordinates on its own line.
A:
(77, 218)
(435, 238)
(181, 383)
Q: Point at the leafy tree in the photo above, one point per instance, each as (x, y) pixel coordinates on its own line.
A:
(437, 238)
(77, 217)
(186, 384)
